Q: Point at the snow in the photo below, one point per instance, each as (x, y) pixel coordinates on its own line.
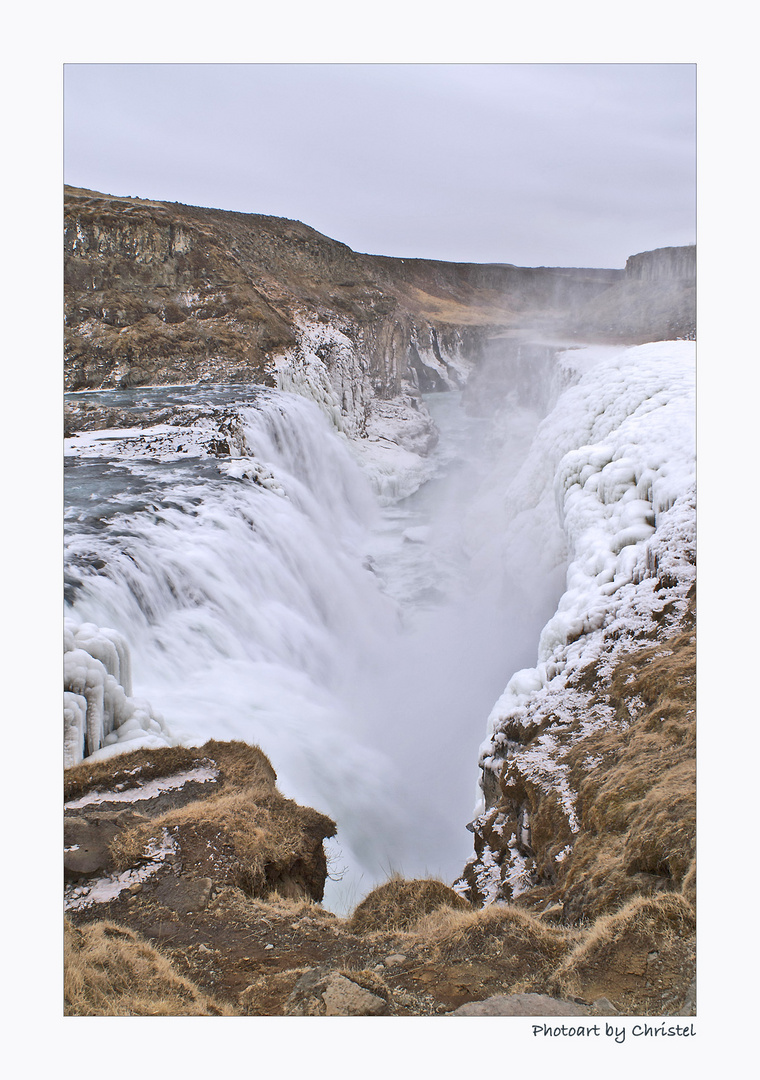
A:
(250, 469)
(488, 878)
(100, 717)
(101, 890)
(394, 472)
(161, 441)
(302, 369)
(610, 486)
(390, 438)
(148, 790)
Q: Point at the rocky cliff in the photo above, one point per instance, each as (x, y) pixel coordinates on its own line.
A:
(192, 889)
(654, 300)
(159, 293)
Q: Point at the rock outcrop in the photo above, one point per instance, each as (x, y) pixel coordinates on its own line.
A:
(654, 301)
(193, 886)
(177, 825)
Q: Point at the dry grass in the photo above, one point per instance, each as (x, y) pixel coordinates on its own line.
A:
(242, 831)
(483, 308)
(126, 770)
(637, 800)
(110, 971)
(617, 948)
(238, 762)
(503, 932)
(399, 905)
(247, 834)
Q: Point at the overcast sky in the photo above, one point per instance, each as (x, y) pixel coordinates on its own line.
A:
(537, 164)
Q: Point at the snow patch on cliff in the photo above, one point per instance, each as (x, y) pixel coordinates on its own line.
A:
(102, 890)
(391, 438)
(151, 789)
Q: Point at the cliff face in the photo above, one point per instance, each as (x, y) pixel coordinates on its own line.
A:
(164, 293)
(664, 264)
(654, 301)
(588, 768)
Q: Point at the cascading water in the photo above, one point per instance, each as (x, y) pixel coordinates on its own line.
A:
(267, 597)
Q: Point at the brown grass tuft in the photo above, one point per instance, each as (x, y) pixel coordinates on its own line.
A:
(238, 763)
(502, 931)
(617, 948)
(110, 971)
(251, 837)
(638, 804)
(398, 905)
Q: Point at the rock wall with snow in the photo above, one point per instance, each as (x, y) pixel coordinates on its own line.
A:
(608, 489)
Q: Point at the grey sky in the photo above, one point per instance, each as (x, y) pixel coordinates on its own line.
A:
(533, 164)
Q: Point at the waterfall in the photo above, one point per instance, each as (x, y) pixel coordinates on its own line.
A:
(269, 596)
(273, 595)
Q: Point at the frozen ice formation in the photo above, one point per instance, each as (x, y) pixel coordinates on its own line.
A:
(99, 715)
(611, 477)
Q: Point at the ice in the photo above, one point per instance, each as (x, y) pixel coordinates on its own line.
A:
(98, 711)
(617, 453)
(148, 790)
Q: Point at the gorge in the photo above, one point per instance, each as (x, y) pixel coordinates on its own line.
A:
(333, 504)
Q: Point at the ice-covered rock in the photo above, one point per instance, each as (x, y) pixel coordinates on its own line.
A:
(99, 715)
(608, 490)
(610, 474)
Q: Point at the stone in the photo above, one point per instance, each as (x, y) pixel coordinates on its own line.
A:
(184, 894)
(521, 1005)
(322, 992)
(345, 998)
(604, 1007)
(395, 958)
(86, 845)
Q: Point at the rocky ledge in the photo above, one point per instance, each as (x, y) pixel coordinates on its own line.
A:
(193, 888)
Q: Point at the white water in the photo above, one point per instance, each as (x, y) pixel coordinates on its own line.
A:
(360, 647)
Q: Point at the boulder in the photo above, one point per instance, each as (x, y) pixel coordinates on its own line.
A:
(328, 993)
(87, 838)
(521, 1005)
(185, 894)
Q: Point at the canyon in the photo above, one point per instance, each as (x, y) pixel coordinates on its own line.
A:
(184, 326)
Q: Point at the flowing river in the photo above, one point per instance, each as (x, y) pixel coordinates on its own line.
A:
(270, 597)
